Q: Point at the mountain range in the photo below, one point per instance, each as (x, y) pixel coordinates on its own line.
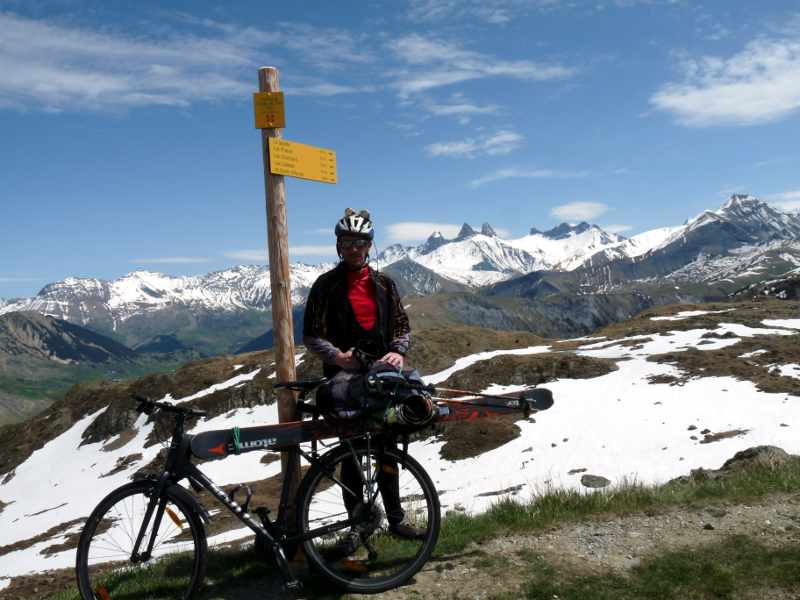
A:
(564, 281)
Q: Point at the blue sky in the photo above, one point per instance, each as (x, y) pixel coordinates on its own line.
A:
(127, 141)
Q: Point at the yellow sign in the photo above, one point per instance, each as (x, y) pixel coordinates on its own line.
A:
(269, 111)
(301, 160)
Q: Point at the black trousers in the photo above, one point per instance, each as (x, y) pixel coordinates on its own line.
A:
(388, 480)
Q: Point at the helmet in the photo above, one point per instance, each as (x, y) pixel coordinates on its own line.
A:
(356, 224)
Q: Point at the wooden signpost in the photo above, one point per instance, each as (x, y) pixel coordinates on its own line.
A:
(282, 157)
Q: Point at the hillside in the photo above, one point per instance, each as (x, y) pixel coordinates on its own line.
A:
(641, 399)
(41, 357)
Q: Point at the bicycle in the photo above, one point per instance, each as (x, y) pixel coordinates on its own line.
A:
(149, 523)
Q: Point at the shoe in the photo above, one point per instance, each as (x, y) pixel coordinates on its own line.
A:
(406, 530)
(350, 542)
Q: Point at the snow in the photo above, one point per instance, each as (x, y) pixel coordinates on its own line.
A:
(232, 382)
(616, 425)
(690, 313)
(467, 361)
(752, 354)
(790, 370)
(788, 323)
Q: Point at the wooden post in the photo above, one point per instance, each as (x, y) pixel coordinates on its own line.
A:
(278, 254)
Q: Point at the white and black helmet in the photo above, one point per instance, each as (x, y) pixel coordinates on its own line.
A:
(354, 223)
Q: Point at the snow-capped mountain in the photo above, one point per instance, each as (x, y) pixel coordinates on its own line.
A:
(478, 258)
(746, 217)
(86, 300)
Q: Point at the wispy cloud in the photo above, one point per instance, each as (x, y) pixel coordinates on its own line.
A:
(56, 67)
(517, 173)
(502, 142)
(500, 12)
(259, 256)
(436, 63)
(579, 211)
(789, 201)
(760, 84)
(313, 250)
(459, 106)
(171, 260)
(415, 231)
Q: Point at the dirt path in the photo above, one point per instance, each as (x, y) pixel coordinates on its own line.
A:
(597, 546)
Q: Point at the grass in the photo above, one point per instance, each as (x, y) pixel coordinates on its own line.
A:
(564, 506)
(709, 572)
(721, 570)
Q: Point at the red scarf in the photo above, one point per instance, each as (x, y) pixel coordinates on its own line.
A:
(361, 293)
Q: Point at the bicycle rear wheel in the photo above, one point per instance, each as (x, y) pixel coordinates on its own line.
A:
(379, 559)
(106, 566)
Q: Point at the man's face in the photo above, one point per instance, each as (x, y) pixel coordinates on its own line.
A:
(353, 250)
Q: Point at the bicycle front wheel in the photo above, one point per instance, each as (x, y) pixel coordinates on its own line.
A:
(110, 565)
(354, 538)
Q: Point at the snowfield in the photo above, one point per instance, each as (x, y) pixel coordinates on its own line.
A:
(617, 425)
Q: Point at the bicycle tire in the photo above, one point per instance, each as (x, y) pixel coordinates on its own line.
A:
(320, 502)
(103, 563)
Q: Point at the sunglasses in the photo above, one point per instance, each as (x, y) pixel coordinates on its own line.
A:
(350, 244)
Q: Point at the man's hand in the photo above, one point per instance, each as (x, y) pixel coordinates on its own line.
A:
(347, 361)
(394, 359)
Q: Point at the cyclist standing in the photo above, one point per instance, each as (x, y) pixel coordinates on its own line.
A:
(353, 312)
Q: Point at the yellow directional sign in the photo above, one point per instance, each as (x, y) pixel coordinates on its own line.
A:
(268, 107)
(301, 160)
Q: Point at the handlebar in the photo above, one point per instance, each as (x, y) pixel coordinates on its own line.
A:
(148, 406)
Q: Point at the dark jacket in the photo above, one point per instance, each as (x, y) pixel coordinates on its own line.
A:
(329, 317)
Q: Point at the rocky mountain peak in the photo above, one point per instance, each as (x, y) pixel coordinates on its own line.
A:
(466, 231)
(566, 230)
(435, 240)
(533, 231)
(488, 230)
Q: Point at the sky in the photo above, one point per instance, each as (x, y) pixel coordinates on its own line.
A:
(127, 139)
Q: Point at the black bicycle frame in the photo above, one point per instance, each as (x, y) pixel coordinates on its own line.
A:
(179, 467)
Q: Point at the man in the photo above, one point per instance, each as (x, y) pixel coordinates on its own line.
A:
(353, 315)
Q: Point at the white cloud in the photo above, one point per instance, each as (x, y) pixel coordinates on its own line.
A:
(515, 173)
(460, 109)
(579, 211)
(170, 260)
(495, 12)
(437, 63)
(760, 84)
(502, 142)
(259, 256)
(616, 228)
(415, 231)
(313, 250)
(788, 201)
(55, 67)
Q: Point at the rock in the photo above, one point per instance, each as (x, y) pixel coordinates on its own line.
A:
(576, 471)
(594, 481)
(708, 527)
(691, 428)
(717, 512)
(765, 456)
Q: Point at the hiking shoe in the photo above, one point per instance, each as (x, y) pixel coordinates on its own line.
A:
(406, 530)
(349, 543)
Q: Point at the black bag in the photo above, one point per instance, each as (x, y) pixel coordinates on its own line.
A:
(379, 393)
